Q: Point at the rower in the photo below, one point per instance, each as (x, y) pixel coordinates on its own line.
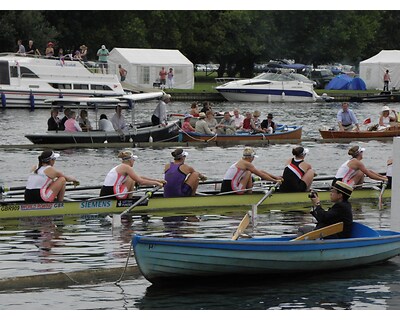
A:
(121, 180)
(45, 183)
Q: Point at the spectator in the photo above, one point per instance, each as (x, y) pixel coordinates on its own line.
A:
(267, 125)
(21, 48)
(122, 73)
(103, 54)
(71, 125)
(118, 120)
(105, 124)
(386, 80)
(84, 122)
(170, 78)
(347, 119)
(32, 49)
(163, 76)
(83, 52)
(50, 49)
(54, 123)
(238, 118)
(160, 113)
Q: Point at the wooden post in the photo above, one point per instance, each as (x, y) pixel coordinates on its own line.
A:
(395, 202)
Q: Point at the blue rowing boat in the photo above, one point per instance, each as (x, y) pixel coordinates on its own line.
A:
(165, 259)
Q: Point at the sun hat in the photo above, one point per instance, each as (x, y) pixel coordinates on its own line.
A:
(256, 113)
(50, 44)
(103, 46)
(343, 188)
(187, 115)
(166, 97)
(355, 151)
(300, 151)
(270, 116)
(48, 155)
(385, 108)
(179, 153)
(249, 152)
(202, 115)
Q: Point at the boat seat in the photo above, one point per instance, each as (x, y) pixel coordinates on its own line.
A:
(359, 230)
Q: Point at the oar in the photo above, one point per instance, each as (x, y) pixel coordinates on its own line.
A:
(322, 232)
(148, 194)
(380, 203)
(246, 219)
(7, 189)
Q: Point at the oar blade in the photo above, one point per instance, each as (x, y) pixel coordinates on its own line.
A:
(242, 226)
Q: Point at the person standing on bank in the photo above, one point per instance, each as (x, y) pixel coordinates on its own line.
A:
(160, 113)
(346, 118)
(170, 78)
(182, 180)
(122, 73)
(238, 177)
(298, 175)
(341, 211)
(386, 80)
(45, 183)
(162, 76)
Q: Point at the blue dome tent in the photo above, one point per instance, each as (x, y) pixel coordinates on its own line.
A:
(345, 82)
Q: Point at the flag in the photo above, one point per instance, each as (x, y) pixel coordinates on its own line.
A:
(367, 121)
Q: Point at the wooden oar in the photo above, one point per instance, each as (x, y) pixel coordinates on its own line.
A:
(148, 194)
(380, 203)
(321, 233)
(246, 219)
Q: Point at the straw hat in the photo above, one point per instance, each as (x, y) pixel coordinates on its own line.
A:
(343, 188)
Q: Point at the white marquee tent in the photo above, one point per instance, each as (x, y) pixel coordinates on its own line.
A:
(373, 69)
(144, 65)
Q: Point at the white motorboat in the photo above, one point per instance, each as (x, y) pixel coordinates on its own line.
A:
(27, 81)
(269, 87)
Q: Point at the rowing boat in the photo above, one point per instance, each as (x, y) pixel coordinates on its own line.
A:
(158, 205)
(171, 259)
(286, 133)
(333, 134)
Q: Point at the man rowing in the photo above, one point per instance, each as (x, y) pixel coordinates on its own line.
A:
(238, 177)
(45, 183)
(122, 179)
(346, 119)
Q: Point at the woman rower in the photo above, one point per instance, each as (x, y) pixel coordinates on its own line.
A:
(45, 183)
(121, 180)
(352, 171)
(298, 175)
(238, 176)
(182, 180)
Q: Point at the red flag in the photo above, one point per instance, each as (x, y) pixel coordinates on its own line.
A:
(367, 121)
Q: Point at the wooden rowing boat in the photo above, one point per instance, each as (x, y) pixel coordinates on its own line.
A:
(331, 134)
(287, 133)
(171, 259)
(158, 205)
(140, 133)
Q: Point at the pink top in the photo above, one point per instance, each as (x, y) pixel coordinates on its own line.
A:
(71, 125)
(186, 126)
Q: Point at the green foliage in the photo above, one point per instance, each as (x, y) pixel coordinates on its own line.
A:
(235, 39)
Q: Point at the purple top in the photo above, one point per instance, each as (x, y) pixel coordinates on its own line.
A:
(176, 186)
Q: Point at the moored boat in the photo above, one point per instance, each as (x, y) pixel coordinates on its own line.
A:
(142, 132)
(284, 133)
(268, 87)
(27, 80)
(158, 205)
(333, 134)
(170, 259)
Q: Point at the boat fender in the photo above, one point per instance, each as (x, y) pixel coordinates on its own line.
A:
(150, 139)
(283, 95)
(32, 101)
(3, 100)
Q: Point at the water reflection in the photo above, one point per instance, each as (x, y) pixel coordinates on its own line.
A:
(362, 288)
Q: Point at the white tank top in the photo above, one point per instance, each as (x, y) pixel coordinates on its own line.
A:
(113, 178)
(233, 173)
(38, 180)
(345, 173)
(386, 121)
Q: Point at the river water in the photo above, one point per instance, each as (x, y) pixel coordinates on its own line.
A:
(40, 247)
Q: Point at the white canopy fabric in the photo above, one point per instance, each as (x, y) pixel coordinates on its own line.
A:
(373, 69)
(144, 65)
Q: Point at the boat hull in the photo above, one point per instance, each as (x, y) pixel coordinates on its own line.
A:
(330, 134)
(166, 259)
(141, 134)
(293, 133)
(158, 205)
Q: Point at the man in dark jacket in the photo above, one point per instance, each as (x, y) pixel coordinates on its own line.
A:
(340, 211)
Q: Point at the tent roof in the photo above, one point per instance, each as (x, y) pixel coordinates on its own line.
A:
(385, 56)
(153, 56)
